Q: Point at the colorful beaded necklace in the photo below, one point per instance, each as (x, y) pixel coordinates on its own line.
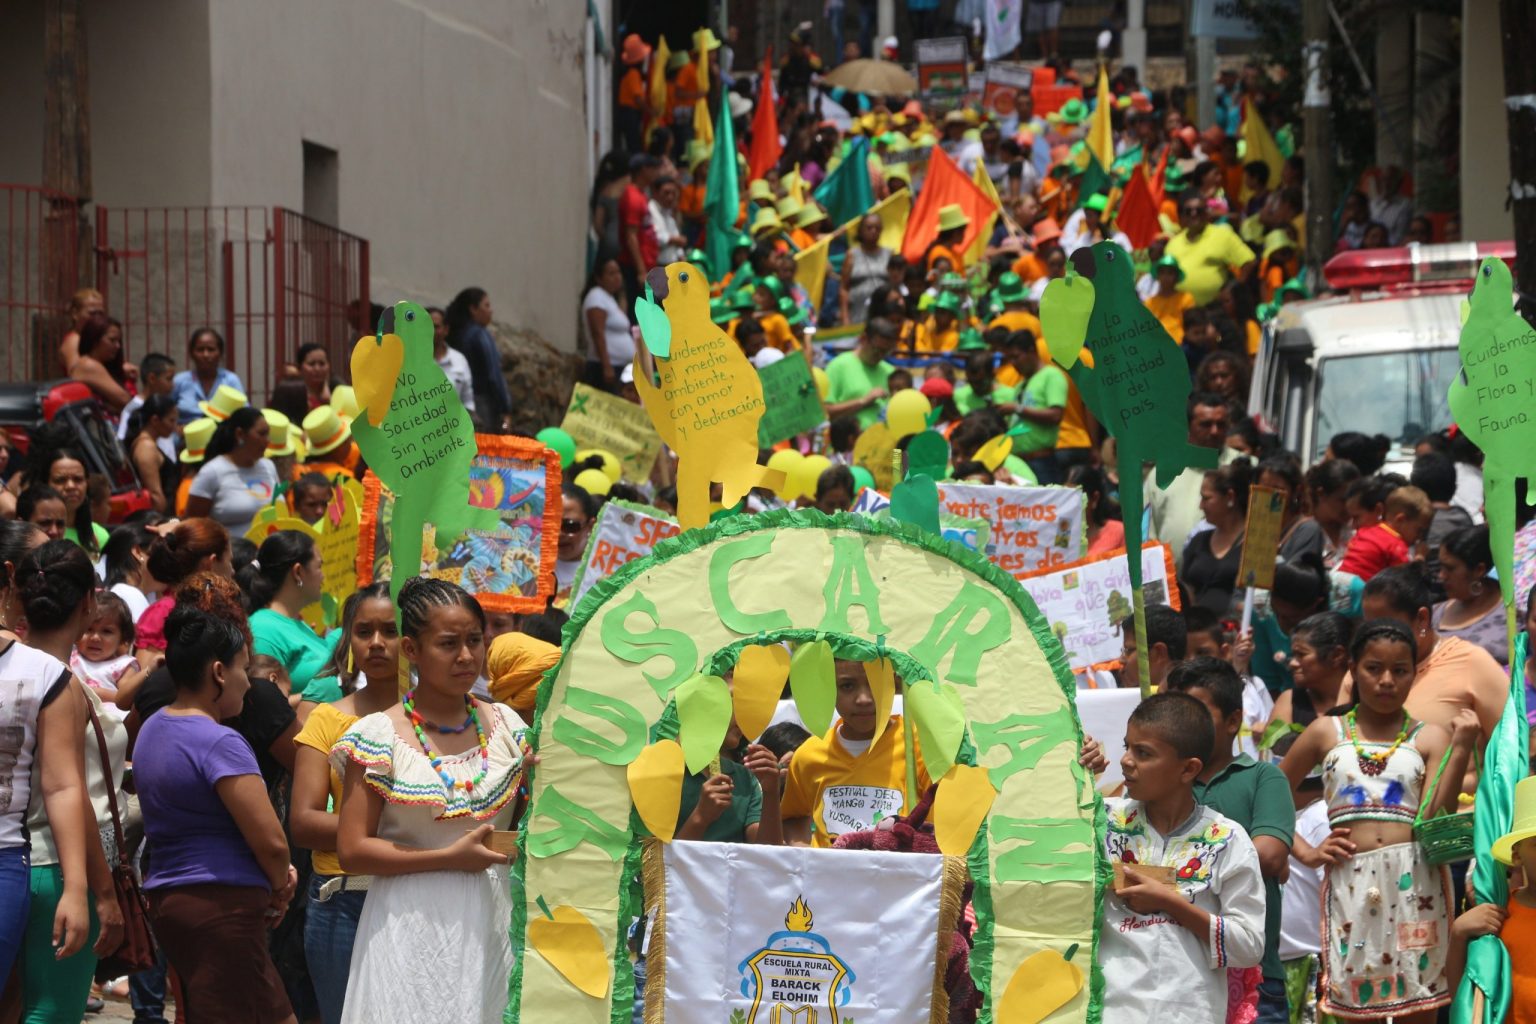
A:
(408, 704)
(1371, 763)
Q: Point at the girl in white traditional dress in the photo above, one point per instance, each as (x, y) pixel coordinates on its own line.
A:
(1386, 909)
(425, 782)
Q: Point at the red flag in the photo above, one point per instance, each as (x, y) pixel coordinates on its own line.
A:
(765, 150)
(945, 184)
(1158, 177)
(1138, 212)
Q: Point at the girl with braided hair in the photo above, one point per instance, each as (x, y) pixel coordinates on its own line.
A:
(424, 784)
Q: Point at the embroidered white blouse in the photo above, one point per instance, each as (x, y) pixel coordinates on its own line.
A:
(1155, 968)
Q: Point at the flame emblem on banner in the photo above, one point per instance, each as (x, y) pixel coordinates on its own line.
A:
(799, 918)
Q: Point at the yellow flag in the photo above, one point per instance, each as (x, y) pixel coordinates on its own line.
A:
(701, 59)
(658, 90)
(795, 186)
(893, 210)
(1260, 145)
(978, 250)
(703, 127)
(1101, 137)
(811, 269)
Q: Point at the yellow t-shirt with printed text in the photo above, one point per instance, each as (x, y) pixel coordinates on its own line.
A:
(841, 792)
(322, 729)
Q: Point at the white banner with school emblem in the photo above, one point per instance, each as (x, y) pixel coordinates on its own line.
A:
(782, 935)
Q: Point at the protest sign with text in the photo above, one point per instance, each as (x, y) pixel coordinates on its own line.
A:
(596, 419)
(1032, 528)
(792, 401)
(1088, 603)
(622, 533)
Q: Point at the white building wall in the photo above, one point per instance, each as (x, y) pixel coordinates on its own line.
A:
(459, 126)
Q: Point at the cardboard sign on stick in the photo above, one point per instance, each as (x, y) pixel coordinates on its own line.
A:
(596, 419)
(793, 405)
(510, 566)
(1261, 537)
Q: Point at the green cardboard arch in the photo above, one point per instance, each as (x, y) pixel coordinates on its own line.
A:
(937, 610)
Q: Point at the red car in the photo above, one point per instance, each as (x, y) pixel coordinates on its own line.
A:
(25, 407)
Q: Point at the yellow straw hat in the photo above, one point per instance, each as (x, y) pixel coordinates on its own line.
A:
(325, 431)
(226, 402)
(951, 217)
(280, 434)
(344, 401)
(766, 222)
(1524, 823)
(760, 192)
(788, 208)
(196, 436)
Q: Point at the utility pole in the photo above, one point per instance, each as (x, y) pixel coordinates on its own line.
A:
(1517, 25)
(1318, 136)
(66, 170)
(66, 101)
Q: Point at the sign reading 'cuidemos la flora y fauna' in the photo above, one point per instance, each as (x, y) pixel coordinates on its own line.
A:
(971, 649)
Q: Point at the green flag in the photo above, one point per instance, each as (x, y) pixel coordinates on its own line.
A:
(722, 198)
(847, 193)
(1095, 179)
(1504, 764)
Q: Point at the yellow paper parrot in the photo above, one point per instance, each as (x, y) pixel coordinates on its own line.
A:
(710, 398)
(416, 436)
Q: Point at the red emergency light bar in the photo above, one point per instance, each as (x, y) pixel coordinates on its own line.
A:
(1411, 265)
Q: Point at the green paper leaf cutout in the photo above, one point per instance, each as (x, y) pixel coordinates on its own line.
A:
(927, 455)
(813, 684)
(1491, 402)
(939, 714)
(655, 328)
(1065, 309)
(916, 500)
(703, 716)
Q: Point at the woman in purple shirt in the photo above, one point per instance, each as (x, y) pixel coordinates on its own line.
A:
(219, 874)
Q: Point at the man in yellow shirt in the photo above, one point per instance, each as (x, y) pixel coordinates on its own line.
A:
(847, 780)
(1168, 303)
(1208, 253)
(1013, 296)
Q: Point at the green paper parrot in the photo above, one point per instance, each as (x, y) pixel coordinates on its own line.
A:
(416, 436)
(1490, 402)
(1137, 385)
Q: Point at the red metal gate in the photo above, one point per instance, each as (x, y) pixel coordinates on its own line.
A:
(267, 279)
(39, 272)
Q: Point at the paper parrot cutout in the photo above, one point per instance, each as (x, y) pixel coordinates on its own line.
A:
(1137, 386)
(415, 435)
(1491, 401)
(710, 399)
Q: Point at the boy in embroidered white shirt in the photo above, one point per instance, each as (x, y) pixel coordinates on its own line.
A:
(1165, 947)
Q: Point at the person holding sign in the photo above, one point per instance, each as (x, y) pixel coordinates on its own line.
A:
(425, 783)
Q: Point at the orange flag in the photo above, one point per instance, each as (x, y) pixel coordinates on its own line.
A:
(765, 150)
(946, 183)
(1138, 212)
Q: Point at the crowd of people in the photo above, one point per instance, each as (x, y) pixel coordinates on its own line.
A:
(309, 820)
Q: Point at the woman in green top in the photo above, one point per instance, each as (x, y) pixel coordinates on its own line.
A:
(286, 577)
(52, 462)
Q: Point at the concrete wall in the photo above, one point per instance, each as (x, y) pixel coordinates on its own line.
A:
(1484, 127)
(459, 129)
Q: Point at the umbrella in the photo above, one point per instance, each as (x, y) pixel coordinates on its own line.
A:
(882, 77)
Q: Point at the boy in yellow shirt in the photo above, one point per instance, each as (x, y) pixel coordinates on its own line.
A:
(1168, 303)
(847, 780)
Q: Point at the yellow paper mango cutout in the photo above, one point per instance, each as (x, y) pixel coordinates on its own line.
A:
(959, 807)
(995, 451)
(374, 369)
(656, 786)
(882, 686)
(1043, 984)
(757, 685)
(573, 947)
